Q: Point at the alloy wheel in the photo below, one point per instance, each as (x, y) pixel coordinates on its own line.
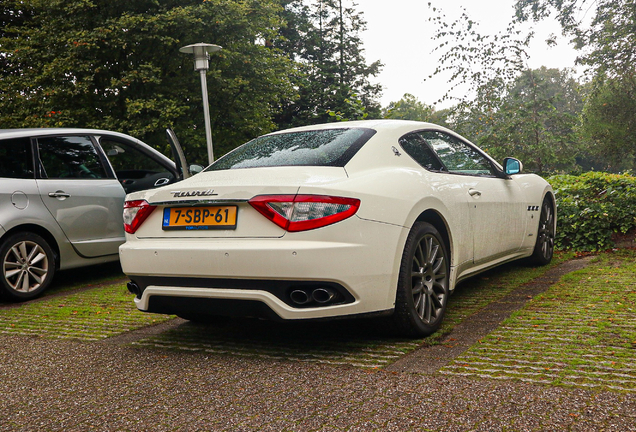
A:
(546, 231)
(429, 279)
(25, 266)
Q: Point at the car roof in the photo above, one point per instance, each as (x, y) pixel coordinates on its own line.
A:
(18, 133)
(378, 125)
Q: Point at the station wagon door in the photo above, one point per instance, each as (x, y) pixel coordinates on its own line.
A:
(81, 194)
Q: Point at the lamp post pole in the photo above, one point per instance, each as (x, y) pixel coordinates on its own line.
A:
(201, 53)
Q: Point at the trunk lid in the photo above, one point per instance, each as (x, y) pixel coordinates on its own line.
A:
(222, 190)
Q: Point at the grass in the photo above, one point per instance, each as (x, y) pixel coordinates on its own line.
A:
(581, 332)
(361, 343)
(93, 314)
(107, 310)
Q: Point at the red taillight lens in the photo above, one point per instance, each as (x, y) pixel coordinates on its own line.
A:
(135, 213)
(304, 212)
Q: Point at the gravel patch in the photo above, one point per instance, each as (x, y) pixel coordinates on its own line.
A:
(76, 386)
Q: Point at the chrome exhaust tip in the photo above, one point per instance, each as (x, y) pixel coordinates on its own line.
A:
(299, 297)
(323, 295)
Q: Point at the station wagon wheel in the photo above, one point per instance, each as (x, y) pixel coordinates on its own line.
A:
(28, 266)
(422, 291)
(544, 247)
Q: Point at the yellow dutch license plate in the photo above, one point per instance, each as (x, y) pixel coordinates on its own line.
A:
(199, 218)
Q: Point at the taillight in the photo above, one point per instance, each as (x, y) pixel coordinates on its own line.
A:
(304, 212)
(135, 213)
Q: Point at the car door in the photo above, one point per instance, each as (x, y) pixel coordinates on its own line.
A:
(496, 204)
(81, 193)
(136, 167)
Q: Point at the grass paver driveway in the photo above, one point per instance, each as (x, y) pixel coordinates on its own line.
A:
(581, 332)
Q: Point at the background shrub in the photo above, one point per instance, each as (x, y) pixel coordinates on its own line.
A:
(592, 207)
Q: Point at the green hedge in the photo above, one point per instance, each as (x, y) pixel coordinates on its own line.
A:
(592, 207)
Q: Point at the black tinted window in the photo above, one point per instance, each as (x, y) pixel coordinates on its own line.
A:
(69, 157)
(457, 156)
(419, 149)
(328, 147)
(15, 158)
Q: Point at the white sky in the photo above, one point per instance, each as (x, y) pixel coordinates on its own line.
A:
(399, 35)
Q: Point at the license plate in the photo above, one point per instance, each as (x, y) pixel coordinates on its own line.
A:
(199, 218)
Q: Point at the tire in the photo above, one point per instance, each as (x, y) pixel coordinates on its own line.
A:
(28, 266)
(544, 247)
(422, 291)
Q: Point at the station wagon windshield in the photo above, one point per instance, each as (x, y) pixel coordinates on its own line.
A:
(326, 147)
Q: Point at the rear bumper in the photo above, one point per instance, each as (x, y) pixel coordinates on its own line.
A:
(364, 262)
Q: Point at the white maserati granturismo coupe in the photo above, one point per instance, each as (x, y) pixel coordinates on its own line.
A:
(366, 218)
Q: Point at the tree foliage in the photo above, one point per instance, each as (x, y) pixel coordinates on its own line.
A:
(606, 43)
(323, 37)
(608, 122)
(115, 65)
(536, 121)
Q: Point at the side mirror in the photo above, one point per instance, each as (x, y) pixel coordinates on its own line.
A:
(195, 169)
(512, 166)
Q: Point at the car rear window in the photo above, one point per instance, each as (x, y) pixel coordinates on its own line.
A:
(15, 158)
(325, 147)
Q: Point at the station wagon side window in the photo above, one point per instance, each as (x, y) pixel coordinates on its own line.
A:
(15, 158)
(69, 157)
(457, 156)
(417, 147)
(135, 169)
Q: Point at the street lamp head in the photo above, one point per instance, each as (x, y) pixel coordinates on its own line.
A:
(201, 53)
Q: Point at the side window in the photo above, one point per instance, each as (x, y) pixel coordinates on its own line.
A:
(457, 156)
(134, 169)
(417, 147)
(15, 158)
(128, 161)
(69, 157)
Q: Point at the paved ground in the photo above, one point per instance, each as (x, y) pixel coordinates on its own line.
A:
(164, 377)
(76, 386)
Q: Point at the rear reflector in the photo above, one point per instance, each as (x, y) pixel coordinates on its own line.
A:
(135, 213)
(304, 212)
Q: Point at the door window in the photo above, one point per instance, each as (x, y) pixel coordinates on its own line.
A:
(417, 147)
(457, 156)
(135, 169)
(15, 158)
(69, 157)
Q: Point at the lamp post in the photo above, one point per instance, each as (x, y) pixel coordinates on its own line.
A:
(201, 53)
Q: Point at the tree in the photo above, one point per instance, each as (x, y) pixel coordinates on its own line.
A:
(409, 108)
(334, 77)
(606, 41)
(608, 123)
(536, 121)
(115, 65)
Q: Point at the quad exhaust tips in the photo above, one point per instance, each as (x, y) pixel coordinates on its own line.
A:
(321, 296)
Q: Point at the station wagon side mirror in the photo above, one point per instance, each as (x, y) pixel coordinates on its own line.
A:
(195, 169)
(512, 166)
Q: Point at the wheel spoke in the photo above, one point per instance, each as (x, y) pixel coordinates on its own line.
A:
(417, 289)
(429, 306)
(23, 251)
(11, 273)
(25, 282)
(439, 266)
(35, 276)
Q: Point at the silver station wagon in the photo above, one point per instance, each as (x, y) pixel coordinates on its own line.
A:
(61, 198)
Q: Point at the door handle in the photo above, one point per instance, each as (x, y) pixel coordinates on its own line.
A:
(59, 194)
(474, 192)
(162, 181)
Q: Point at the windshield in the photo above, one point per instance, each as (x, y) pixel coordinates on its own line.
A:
(326, 147)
